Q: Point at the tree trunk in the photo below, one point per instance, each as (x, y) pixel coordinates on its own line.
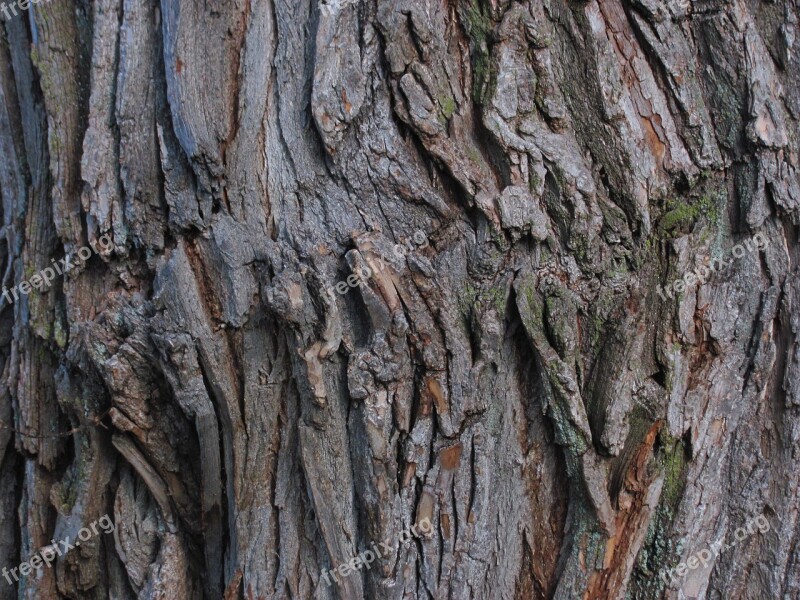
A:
(364, 265)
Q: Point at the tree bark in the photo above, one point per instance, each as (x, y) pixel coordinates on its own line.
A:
(498, 189)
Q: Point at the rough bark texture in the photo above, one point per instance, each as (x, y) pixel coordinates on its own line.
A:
(514, 375)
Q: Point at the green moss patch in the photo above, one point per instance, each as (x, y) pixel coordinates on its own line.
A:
(478, 24)
(659, 550)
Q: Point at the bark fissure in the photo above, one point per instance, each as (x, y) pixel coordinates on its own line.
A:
(253, 418)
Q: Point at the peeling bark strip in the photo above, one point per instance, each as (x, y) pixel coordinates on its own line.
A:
(517, 378)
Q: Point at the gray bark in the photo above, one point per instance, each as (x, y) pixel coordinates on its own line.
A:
(514, 374)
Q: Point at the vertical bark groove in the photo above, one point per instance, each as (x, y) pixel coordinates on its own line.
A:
(378, 263)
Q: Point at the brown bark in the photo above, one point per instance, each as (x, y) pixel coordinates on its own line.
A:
(513, 181)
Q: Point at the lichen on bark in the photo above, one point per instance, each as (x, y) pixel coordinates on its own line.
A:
(519, 379)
